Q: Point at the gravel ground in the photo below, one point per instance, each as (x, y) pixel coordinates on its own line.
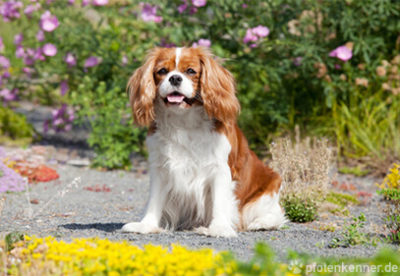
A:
(65, 208)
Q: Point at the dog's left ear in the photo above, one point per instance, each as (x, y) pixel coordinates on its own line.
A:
(217, 89)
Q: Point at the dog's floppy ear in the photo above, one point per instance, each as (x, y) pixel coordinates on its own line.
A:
(142, 91)
(217, 89)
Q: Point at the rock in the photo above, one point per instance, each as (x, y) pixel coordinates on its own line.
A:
(79, 162)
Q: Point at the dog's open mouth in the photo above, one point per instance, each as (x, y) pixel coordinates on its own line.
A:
(175, 98)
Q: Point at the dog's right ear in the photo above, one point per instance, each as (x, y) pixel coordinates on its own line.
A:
(141, 89)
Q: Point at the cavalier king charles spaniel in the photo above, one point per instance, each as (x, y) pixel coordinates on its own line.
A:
(203, 176)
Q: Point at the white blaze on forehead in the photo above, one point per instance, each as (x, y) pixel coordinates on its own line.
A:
(178, 52)
(185, 88)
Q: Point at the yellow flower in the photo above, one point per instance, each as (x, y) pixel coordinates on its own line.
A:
(392, 180)
(36, 255)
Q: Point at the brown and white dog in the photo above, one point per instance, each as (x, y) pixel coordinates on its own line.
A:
(203, 176)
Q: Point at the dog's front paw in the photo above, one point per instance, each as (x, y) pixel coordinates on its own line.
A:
(142, 228)
(217, 231)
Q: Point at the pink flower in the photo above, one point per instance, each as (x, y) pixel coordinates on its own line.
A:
(49, 50)
(40, 35)
(5, 94)
(183, 7)
(64, 87)
(31, 8)
(342, 52)
(91, 62)
(20, 52)
(85, 2)
(61, 120)
(297, 61)
(18, 38)
(100, 2)
(8, 95)
(10, 180)
(10, 9)
(71, 2)
(124, 60)
(199, 3)
(4, 62)
(6, 75)
(254, 34)
(28, 71)
(48, 22)
(202, 42)
(149, 13)
(192, 10)
(250, 36)
(261, 31)
(29, 61)
(70, 59)
(38, 54)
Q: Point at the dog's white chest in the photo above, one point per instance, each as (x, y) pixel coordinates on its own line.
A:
(187, 153)
(186, 161)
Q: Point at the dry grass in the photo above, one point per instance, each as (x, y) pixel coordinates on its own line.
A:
(304, 166)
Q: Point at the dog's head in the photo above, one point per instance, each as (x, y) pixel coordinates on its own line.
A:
(178, 79)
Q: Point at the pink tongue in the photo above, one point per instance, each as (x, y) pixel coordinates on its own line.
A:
(175, 98)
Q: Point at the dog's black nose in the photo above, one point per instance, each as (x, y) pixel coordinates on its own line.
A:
(175, 80)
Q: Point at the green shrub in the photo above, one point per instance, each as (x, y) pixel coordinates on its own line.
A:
(299, 209)
(14, 129)
(113, 135)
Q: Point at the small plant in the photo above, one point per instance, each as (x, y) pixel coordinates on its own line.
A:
(14, 129)
(393, 222)
(357, 171)
(11, 239)
(351, 234)
(331, 227)
(298, 209)
(390, 186)
(390, 194)
(341, 199)
(303, 166)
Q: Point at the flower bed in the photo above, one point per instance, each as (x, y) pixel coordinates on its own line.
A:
(97, 256)
(48, 256)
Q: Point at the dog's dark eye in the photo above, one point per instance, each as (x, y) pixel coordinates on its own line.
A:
(162, 71)
(190, 71)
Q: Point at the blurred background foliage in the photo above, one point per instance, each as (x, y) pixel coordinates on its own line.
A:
(330, 67)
